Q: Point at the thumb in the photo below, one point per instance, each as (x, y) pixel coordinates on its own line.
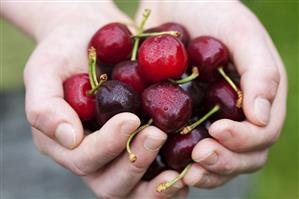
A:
(259, 72)
(46, 110)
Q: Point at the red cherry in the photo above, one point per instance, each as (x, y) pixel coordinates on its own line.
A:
(208, 54)
(172, 26)
(75, 93)
(113, 43)
(168, 105)
(161, 58)
(221, 93)
(126, 72)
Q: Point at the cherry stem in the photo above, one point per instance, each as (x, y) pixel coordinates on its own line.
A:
(103, 78)
(191, 77)
(152, 34)
(189, 128)
(166, 185)
(233, 85)
(146, 14)
(132, 156)
(92, 58)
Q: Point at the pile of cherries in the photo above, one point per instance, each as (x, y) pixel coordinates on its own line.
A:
(176, 84)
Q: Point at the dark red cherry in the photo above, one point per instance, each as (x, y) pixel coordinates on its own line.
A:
(161, 58)
(172, 26)
(168, 105)
(177, 150)
(91, 126)
(154, 169)
(126, 71)
(197, 91)
(113, 43)
(115, 97)
(75, 91)
(221, 93)
(154, 29)
(208, 54)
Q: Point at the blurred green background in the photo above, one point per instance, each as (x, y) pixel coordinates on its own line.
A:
(279, 178)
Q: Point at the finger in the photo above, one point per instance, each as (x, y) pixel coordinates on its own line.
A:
(201, 178)
(96, 149)
(46, 109)
(260, 87)
(215, 158)
(145, 146)
(183, 193)
(244, 136)
(258, 69)
(102, 146)
(147, 190)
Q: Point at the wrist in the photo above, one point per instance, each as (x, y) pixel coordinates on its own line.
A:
(39, 19)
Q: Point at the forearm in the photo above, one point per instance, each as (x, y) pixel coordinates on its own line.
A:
(38, 19)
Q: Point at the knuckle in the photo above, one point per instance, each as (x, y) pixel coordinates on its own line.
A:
(137, 168)
(228, 167)
(77, 169)
(33, 115)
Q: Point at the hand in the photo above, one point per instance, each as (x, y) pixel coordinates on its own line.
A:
(237, 147)
(56, 128)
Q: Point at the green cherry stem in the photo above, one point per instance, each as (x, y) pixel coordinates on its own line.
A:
(146, 14)
(189, 128)
(132, 156)
(233, 85)
(191, 77)
(103, 78)
(92, 58)
(166, 185)
(152, 34)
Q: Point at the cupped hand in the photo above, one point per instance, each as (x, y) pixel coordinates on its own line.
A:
(236, 147)
(56, 128)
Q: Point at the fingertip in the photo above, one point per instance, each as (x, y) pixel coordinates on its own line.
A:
(164, 177)
(220, 129)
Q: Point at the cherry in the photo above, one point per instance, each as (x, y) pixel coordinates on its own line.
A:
(197, 91)
(223, 102)
(168, 105)
(113, 43)
(75, 93)
(154, 169)
(177, 150)
(221, 93)
(115, 97)
(126, 72)
(172, 26)
(208, 54)
(162, 57)
(91, 125)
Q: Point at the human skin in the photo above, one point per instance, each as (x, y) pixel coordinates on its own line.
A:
(62, 32)
(237, 147)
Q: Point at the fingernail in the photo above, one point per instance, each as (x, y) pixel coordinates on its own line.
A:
(209, 159)
(65, 135)
(152, 143)
(128, 127)
(262, 110)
